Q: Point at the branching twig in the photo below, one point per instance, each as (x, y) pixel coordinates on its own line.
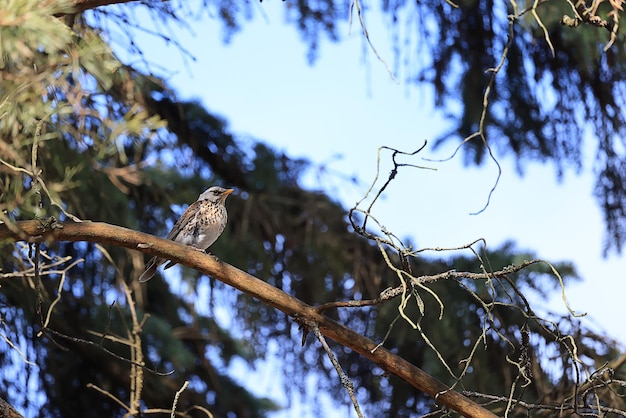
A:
(134, 343)
(83, 341)
(561, 407)
(16, 348)
(392, 175)
(583, 14)
(59, 292)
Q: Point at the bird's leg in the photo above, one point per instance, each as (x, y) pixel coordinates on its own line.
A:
(208, 252)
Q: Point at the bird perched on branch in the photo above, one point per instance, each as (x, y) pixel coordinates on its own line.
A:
(199, 227)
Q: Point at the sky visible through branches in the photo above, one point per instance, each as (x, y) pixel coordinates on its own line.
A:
(337, 113)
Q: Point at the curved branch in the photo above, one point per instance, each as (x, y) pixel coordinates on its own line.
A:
(38, 231)
(82, 5)
(7, 410)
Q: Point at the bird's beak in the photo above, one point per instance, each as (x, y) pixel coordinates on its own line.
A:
(227, 192)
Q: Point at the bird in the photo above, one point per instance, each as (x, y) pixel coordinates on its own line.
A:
(199, 226)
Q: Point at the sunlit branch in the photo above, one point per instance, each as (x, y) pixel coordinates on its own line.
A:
(298, 310)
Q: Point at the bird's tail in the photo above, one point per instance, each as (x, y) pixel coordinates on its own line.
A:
(150, 270)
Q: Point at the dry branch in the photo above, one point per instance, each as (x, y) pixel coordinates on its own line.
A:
(82, 5)
(103, 233)
(7, 411)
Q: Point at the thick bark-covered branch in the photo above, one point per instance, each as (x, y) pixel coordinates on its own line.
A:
(38, 231)
(82, 5)
(7, 411)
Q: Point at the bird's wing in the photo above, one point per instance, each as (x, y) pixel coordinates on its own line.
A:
(189, 213)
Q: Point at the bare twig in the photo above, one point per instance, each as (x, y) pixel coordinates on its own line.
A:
(181, 390)
(109, 395)
(59, 292)
(357, 4)
(345, 380)
(561, 407)
(583, 14)
(109, 352)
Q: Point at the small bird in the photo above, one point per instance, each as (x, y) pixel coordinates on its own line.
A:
(199, 227)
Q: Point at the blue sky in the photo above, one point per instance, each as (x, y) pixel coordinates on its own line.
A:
(262, 83)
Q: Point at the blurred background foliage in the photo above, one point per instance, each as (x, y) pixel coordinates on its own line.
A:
(116, 145)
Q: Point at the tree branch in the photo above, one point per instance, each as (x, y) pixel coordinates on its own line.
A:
(7, 411)
(82, 5)
(38, 231)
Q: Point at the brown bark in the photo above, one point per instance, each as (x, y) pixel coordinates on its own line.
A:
(7, 411)
(38, 231)
(82, 5)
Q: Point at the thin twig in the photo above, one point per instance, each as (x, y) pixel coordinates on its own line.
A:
(357, 4)
(16, 348)
(345, 380)
(561, 407)
(181, 390)
(83, 341)
(109, 395)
